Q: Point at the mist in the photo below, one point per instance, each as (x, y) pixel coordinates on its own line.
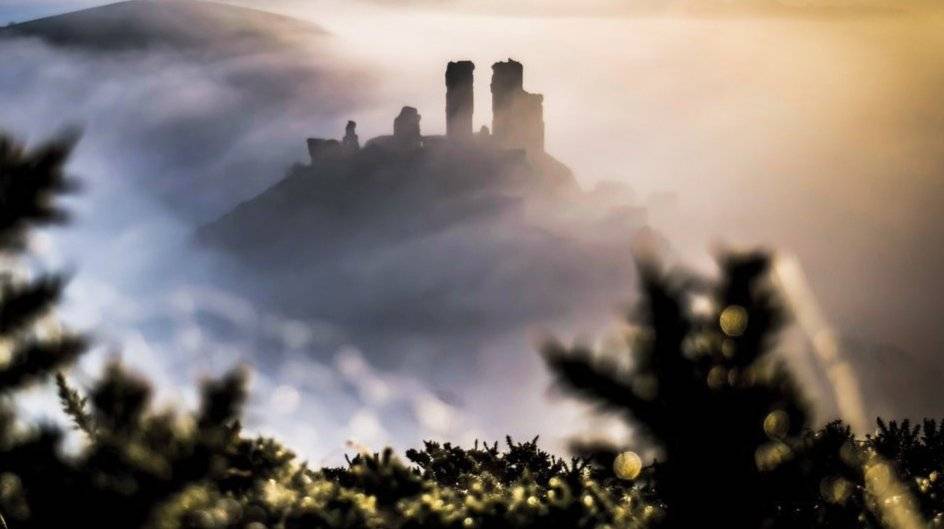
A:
(172, 138)
(818, 137)
(814, 137)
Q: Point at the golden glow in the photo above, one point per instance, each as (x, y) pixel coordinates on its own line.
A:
(835, 489)
(829, 354)
(627, 465)
(794, 134)
(777, 424)
(889, 499)
(770, 455)
(733, 320)
(717, 377)
(6, 352)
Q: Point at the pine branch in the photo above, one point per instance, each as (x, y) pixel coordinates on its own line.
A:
(29, 181)
(35, 359)
(577, 372)
(223, 400)
(22, 304)
(75, 406)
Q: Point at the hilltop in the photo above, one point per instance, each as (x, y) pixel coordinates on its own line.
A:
(185, 25)
(172, 94)
(440, 238)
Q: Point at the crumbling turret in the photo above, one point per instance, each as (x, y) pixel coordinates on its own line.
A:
(351, 142)
(517, 115)
(460, 99)
(406, 128)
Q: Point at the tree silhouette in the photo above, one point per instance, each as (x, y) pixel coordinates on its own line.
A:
(705, 388)
(30, 182)
(135, 458)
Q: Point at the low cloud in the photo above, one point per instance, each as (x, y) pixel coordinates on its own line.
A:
(821, 139)
(197, 125)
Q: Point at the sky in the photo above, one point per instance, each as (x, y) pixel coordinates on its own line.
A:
(812, 128)
(20, 10)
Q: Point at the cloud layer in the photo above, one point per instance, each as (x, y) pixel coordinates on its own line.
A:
(201, 114)
(817, 137)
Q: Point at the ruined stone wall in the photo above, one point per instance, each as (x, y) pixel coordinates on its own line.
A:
(325, 149)
(322, 149)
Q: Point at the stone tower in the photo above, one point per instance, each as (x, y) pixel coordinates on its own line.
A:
(406, 128)
(351, 142)
(517, 115)
(460, 99)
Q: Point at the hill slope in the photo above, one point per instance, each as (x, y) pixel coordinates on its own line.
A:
(192, 25)
(448, 243)
(172, 95)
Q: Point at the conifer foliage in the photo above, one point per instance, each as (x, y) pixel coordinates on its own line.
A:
(134, 458)
(732, 427)
(29, 184)
(704, 389)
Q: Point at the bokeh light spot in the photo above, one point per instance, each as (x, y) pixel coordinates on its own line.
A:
(627, 465)
(733, 320)
(777, 424)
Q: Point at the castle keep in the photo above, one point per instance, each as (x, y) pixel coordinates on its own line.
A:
(517, 117)
(460, 99)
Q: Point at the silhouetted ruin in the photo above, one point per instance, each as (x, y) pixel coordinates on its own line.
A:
(319, 148)
(494, 205)
(460, 99)
(517, 118)
(517, 115)
(351, 141)
(406, 128)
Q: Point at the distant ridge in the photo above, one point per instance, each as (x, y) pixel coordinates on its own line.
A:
(256, 70)
(184, 25)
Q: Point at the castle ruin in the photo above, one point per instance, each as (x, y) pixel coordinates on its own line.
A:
(460, 99)
(517, 115)
(517, 118)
